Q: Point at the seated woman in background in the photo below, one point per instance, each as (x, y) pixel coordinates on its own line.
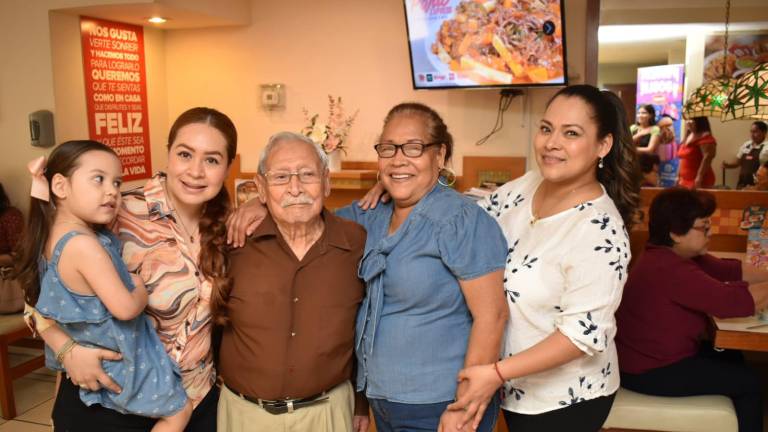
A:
(645, 133)
(671, 291)
(11, 226)
(649, 166)
(697, 150)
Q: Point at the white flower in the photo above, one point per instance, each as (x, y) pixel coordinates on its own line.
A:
(318, 133)
(330, 136)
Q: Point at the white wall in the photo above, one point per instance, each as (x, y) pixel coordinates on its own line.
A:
(27, 85)
(356, 50)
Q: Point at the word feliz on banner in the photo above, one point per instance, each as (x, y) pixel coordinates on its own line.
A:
(116, 92)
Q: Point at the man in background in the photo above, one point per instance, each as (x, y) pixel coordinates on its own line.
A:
(751, 155)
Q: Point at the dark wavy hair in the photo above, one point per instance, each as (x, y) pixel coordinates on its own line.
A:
(63, 160)
(651, 112)
(620, 174)
(700, 124)
(648, 161)
(213, 230)
(436, 127)
(675, 210)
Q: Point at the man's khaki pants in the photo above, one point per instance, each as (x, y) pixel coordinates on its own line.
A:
(332, 415)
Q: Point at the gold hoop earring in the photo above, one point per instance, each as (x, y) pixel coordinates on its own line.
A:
(448, 175)
(378, 180)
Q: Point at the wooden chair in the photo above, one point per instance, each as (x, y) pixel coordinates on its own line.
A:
(13, 331)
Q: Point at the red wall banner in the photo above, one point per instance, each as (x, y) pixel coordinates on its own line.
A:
(116, 92)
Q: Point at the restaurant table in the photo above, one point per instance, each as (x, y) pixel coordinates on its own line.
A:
(747, 333)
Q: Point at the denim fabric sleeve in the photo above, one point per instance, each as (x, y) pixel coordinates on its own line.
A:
(471, 243)
(595, 269)
(352, 212)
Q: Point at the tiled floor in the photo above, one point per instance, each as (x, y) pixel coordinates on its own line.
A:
(34, 398)
(34, 394)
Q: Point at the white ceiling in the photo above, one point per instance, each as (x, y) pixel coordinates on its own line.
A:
(181, 14)
(639, 17)
(186, 14)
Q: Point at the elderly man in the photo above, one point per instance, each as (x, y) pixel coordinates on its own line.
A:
(286, 358)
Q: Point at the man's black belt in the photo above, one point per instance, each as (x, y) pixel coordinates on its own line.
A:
(282, 406)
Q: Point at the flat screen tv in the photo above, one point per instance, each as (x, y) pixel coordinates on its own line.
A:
(486, 43)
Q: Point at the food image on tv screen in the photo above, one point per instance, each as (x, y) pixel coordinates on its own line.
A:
(471, 43)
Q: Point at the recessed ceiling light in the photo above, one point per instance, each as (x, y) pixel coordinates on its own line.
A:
(157, 20)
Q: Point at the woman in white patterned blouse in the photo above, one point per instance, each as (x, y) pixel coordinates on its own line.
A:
(566, 226)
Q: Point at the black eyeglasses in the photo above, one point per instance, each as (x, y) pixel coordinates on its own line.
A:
(704, 228)
(409, 149)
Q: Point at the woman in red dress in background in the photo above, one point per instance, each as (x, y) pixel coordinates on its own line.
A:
(696, 152)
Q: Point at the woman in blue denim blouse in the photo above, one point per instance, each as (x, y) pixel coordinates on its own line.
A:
(433, 265)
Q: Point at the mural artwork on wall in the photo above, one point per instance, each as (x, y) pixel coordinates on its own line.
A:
(744, 52)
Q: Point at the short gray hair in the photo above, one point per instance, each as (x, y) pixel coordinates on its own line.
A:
(280, 137)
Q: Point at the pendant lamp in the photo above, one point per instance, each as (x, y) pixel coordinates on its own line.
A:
(749, 97)
(711, 98)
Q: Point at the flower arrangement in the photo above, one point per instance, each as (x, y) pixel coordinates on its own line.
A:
(330, 135)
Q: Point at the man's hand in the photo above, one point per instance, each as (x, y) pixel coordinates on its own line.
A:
(360, 423)
(243, 222)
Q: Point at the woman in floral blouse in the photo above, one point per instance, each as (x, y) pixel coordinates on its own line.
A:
(566, 226)
(173, 236)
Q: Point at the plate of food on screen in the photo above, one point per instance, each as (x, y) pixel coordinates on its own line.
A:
(503, 42)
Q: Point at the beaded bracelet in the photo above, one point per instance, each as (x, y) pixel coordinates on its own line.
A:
(496, 368)
(67, 347)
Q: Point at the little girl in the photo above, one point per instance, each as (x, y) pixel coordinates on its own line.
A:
(73, 273)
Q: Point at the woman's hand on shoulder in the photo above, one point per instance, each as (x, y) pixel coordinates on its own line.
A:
(373, 196)
(243, 221)
(83, 366)
(480, 383)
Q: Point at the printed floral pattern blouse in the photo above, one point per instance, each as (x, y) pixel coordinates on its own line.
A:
(564, 272)
(154, 246)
